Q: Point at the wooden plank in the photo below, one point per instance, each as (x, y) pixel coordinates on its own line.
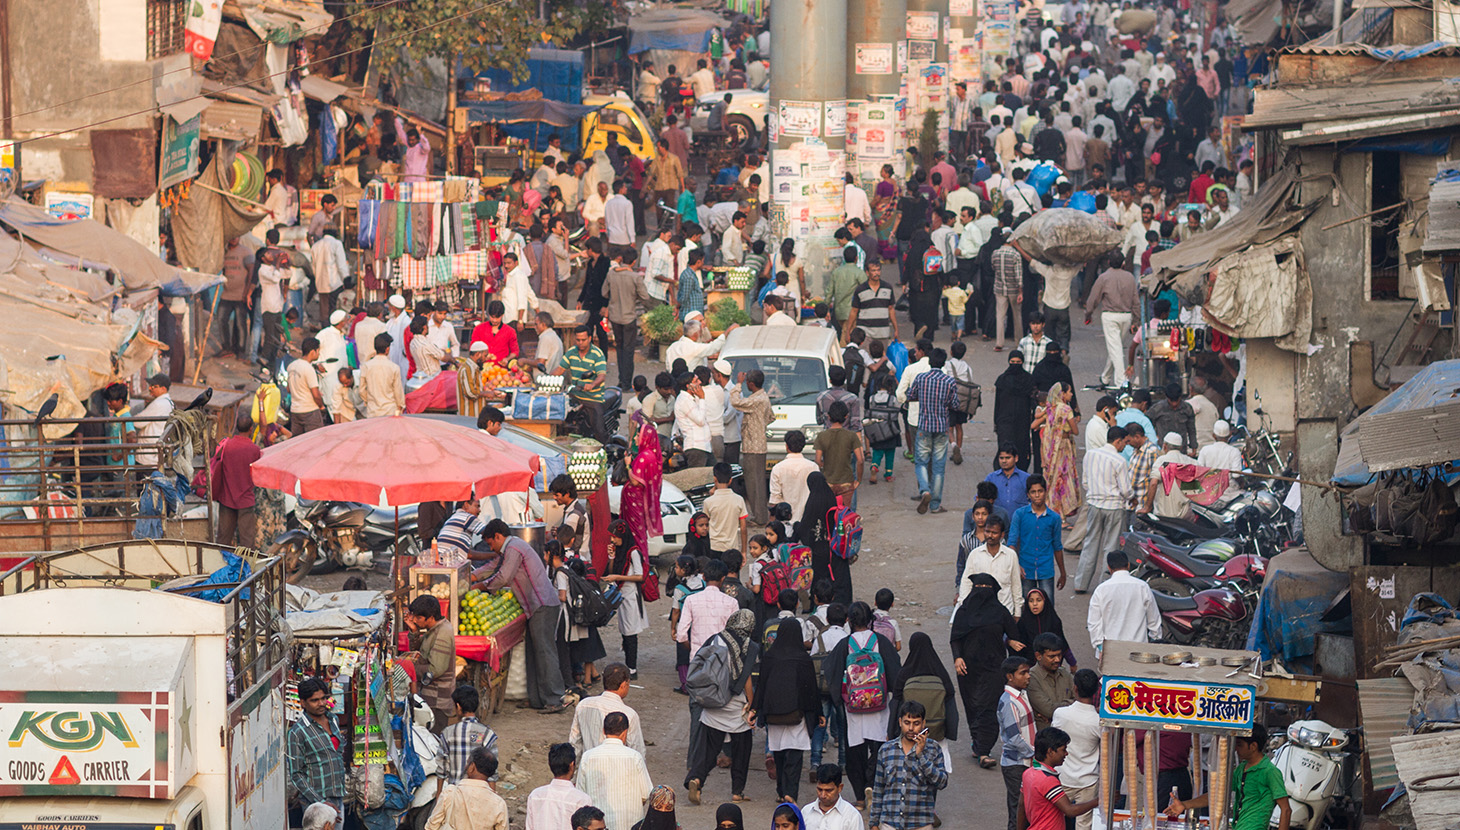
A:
(1436, 802)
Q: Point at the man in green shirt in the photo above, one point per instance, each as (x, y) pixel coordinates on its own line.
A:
(587, 369)
(840, 286)
(1257, 786)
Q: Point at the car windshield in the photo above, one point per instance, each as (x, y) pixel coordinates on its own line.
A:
(787, 379)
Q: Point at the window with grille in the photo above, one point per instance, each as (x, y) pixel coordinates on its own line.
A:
(165, 20)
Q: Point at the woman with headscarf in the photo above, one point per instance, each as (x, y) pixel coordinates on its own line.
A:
(924, 678)
(601, 171)
(1036, 618)
(1057, 426)
(697, 542)
(980, 625)
(627, 567)
(659, 814)
(787, 702)
(814, 531)
(728, 721)
(884, 205)
(787, 817)
(639, 502)
(1013, 404)
(729, 817)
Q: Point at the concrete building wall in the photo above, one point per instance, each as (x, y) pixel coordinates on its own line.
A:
(66, 49)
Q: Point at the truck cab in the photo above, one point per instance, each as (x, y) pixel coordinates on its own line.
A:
(617, 114)
(796, 361)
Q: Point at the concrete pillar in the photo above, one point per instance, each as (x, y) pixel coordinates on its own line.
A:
(808, 96)
(874, 29)
(1322, 517)
(920, 8)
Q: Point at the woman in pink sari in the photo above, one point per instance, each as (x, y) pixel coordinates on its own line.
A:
(1057, 427)
(639, 503)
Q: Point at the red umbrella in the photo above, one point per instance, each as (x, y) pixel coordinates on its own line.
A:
(437, 393)
(395, 461)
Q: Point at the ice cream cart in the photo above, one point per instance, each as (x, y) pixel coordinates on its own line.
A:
(1162, 688)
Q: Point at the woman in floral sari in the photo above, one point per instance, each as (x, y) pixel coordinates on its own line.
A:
(884, 204)
(639, 504)
(1057, 426)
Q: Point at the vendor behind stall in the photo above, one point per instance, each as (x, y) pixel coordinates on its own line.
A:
(434, 656)
(517, 566)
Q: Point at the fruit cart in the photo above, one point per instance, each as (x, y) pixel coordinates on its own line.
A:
(491, 624)
(733, 282)
(1149, 688)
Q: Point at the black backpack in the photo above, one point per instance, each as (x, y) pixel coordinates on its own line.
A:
(587, 606)
(852, 362)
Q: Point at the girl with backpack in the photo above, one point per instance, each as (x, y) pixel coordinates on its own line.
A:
(860, 674)
(585, 646)
(980, 626)
(924, 678)
(763, 555)
(626, 567)
(814, 531)
(687, 581)
(788, 703)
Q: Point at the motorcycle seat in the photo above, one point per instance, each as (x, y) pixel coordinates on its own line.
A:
(1185, 527)
(1168, 602)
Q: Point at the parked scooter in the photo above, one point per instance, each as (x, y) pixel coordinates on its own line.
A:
(1214, 618)
(1319, 767)
(328, 535)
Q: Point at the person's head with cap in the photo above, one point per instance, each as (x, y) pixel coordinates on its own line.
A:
(721, 370)
(1222, 430)
(1172, 440)
(339, 317)
(397, 302)
(158, 385)
(478, 352)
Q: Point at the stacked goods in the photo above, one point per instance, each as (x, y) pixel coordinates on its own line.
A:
(496, 375)
(484, 613)
(550, 383)
(724, 312)
(1065, 237)
(739, 278)
(587, 464)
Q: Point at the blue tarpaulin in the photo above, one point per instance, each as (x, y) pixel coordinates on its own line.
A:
(1295, 593)
(558, 75)
(678, 30)
(1435, 385)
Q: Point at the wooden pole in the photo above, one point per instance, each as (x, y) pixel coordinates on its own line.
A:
(1153, 770)
(1132, 797)
(207, 330)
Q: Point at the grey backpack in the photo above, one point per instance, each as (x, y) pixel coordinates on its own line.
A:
(708, 679)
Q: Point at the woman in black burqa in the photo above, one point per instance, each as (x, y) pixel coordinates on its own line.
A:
(814, 531)
(788, 703)
(1014, 394)
(925, 670)
(980, 625)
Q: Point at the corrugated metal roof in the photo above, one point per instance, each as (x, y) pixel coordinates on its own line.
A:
(1381, 53)
(1384, 705)
(1284, 106)
(1427, 766)
(1442, 232)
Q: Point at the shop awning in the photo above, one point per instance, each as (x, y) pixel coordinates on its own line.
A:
(1418, 425)
(323, 89)
(682, 30)
(89, 240)
(1442, 232)
(554, 113)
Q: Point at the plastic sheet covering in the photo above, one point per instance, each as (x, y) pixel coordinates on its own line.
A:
(340, 614)
(1065, 236)
(1435, 675)
(1294, 596)
(93, 242)
(1263, 291)
(685, 30)
(203, 223)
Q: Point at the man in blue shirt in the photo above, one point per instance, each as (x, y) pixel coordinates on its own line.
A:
(1136, 414)
(1035, 533)
(1011, 481)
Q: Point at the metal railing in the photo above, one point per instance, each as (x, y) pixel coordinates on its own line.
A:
(80, 488)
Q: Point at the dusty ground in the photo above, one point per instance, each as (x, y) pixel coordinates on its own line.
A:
(911, 554)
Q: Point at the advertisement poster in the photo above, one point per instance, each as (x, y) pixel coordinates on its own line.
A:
(799, 118)
(920, 51)
(92, 744)
(874, 59)
(70, 206)
(901, 56)
(1177, 703)
(179, 151)
(772, 127)
(854, 117)
(922, 25)
(877, 129)
(836, 117)
(960, 8)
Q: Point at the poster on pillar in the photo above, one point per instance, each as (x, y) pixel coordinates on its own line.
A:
(836, 118)
(802, 118)
(920, 51)
(854, 117)
(964, 57)
(922, 25)
(772, 127)
(960, 8)
(901, 56)
(874, 59)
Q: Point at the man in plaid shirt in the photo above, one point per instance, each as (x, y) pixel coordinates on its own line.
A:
(1142, 461)
(934, 392)
(316, 751)
(466, 734)
(909, 774)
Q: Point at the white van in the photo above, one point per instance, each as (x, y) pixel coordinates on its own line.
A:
(795, 360)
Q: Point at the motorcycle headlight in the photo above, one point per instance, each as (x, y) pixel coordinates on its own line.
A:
(1305, 737)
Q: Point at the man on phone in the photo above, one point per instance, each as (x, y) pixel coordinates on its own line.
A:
(909, 774)
(587, 370)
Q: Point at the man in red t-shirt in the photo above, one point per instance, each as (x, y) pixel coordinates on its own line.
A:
(500, 338)
(1043, 804)
(232, 477)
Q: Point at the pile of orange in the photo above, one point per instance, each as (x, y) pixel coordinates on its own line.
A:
(495, 375)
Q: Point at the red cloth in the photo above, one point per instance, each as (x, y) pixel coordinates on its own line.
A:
(232, 476)
(1202, 485)
(1198, 190)
(437, 393)
(501, 344)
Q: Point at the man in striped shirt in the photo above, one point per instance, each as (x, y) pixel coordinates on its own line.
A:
(872, 308)
(934, 392)
(1043, 804)
(1107, 492)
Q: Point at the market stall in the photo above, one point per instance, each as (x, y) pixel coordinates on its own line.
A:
(1162, 689)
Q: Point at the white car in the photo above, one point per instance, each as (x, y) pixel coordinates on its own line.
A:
(795, 361)
(745, 116)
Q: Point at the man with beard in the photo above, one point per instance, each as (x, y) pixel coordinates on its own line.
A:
(1014, 396)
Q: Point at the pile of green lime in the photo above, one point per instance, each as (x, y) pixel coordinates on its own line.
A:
(484, 612)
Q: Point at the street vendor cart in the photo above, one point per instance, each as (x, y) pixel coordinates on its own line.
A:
(1163, 689)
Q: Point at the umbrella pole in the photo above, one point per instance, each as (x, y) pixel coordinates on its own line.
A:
(395, 570)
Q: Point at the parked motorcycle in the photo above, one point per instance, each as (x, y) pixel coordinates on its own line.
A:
(1319, 767)
(1183, 570)
(576, 422)
(327, 535)
(1213, 618)
(1221, 519)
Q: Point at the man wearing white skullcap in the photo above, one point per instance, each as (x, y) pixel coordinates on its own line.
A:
(396, 326)
(1170, 505)
(1219, 455)
(334, 355)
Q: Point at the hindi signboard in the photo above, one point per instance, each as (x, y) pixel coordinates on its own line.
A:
(1182, 705)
